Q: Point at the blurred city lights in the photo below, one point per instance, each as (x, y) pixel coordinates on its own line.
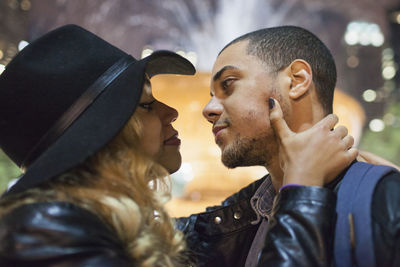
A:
(363, 33)
(351, 38)
(388, 72)
(377, 39)
(387, 54)
(376, 125)
(369, 95)
(395, 17)
(352, 61)
(389, 67)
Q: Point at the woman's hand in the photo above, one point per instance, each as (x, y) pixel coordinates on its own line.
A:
(315, 156)
(369, 157)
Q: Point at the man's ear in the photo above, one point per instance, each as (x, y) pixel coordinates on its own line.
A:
(301, 78)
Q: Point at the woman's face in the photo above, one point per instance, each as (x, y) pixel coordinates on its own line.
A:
(159, 139)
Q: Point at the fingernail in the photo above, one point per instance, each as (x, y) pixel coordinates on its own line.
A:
(271, 103)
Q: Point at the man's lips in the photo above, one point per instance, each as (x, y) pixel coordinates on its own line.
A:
(217, 130)
(173, 140)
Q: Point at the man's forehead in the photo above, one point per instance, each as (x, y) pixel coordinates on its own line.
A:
(237, 55)
(231, 55)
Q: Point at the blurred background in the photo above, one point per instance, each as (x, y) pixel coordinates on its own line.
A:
(363, 35)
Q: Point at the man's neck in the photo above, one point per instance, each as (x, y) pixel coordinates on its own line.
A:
(276, 174)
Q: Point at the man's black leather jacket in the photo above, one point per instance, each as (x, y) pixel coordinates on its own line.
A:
(298, 234)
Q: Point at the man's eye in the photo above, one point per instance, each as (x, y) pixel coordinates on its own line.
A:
(226, 83)
(147, 105)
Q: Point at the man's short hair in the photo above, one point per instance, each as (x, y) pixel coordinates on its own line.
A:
(277, 47)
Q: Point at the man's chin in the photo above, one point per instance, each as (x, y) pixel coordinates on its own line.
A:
(230, 160)
(241, 156)
(233, 163)
(229, 165)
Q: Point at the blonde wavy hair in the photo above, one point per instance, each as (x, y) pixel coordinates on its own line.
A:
(127, 191)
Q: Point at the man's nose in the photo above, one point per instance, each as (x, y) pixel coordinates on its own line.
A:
(213, 110)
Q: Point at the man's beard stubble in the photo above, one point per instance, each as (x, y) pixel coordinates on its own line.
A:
(248, 151)
(257, 151)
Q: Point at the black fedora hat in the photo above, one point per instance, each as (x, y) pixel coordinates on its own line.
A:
(66, 95)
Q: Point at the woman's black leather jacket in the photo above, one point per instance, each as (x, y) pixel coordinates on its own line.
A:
(63, 234)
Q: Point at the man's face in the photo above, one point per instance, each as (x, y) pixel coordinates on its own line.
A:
(238, 109)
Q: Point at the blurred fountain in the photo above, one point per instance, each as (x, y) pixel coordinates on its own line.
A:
(209, 30)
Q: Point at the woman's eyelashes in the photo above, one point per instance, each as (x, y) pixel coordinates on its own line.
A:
(147, 105)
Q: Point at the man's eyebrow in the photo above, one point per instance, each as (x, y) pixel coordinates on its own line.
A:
(221, 71)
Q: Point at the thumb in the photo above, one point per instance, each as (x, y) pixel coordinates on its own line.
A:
(278, 124)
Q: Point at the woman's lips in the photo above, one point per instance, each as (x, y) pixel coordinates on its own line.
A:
(173, 141)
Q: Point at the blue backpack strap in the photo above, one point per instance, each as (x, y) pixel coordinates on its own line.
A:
(353, 234)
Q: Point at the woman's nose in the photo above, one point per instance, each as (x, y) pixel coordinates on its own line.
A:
(170, 114)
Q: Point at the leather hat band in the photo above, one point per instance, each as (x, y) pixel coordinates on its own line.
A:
(76, 109)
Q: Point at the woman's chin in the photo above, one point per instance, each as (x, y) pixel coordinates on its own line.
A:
(172, 163)
(175, 168)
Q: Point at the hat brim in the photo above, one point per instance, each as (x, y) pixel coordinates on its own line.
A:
(101, 121)
(166, 62)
